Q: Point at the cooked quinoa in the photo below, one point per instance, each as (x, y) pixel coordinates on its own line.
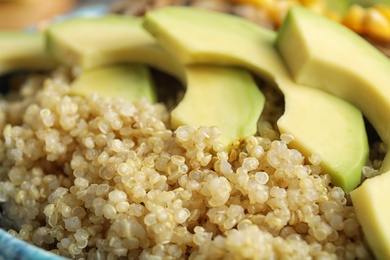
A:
(99, 178)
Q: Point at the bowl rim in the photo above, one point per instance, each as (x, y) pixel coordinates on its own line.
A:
(12, 247)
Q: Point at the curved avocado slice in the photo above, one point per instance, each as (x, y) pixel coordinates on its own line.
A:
(129, 81)
(94, 42)
(337, 131)
(351, 69)
(329, 127)
(371, 202)
(23, 51)
(220, 96)
(334, 59)
(195, 35)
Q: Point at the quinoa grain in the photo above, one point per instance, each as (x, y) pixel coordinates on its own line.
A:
(97, 178)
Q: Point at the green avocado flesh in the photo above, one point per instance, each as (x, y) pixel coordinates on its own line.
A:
(338, 7)
(226, 40)
(129, 81)
(220, 96)
(351, 69)
(94, 42)
(371, 203)
(198, 36)
(339, 138)
(325, 55)
(23, 51)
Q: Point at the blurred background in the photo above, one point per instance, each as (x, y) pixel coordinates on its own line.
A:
(369, 18)
(19, 14)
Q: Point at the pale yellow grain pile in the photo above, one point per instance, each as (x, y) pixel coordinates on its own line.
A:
(95, 178)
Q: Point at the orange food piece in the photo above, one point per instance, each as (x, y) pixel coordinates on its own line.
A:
(353, 19)
(19, 14)
(376, 25)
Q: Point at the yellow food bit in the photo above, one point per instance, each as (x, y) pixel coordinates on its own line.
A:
(373, 22)
(260, 3)
(354, 18)
(279, 9)
(384, 10)
(314, 5)
(376, 25)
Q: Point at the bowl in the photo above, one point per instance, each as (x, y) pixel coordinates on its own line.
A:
(14, 248)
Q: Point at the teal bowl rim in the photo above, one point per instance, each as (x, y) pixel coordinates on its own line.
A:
(12, 247)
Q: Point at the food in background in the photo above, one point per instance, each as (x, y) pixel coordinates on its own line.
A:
(19, 14)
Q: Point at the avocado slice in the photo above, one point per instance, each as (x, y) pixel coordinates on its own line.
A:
(216, 38)
(23, 51)
(371, 202)
(351, 69)
(330, 127)
(130, 81)
(326, 55)
(223, 39)
(220, 96)
(98, 41)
